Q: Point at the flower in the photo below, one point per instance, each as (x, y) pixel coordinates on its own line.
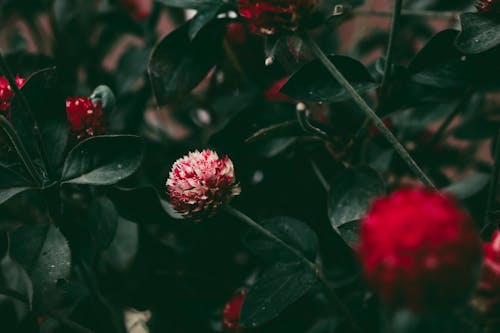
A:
(7, 94)
(269, 17)
(488, 289)
(232, 311)
(85, 118)
(488, 6)
(200, 182)
(419, 249)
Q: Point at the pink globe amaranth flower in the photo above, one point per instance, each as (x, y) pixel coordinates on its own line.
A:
(232, 313)
(419, 250)
(488, 290)
(85, 118)
(269, 17)
(7, 94)
(488, 6)
(200, 182)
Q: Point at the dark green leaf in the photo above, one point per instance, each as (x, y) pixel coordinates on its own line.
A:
(313, 83)
(278, 287)
(123, 249)
(202, 18)
(131, 67)
(195, 4)
(47, 104)
(480, 32)
(467, 187)
(103, 160)
(350, 232)
(178, 64)
(351, 194)
(44, 254)
(4, 244)
(15, 278)
(103, 94)
(295, 233)
(103, 219)
(11, 183)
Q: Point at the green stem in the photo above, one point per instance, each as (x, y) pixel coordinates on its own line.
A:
(330, 293)
(4, 68)
(9, 130)
(360, 102)
(303, 119)
(398, 5)
(492, 192)
(271, 129)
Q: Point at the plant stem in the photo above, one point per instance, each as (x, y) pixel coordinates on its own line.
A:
(330, 293)
(302, 118)
(9, 130)
(4, 68)
(492, 192)
(449, 118)
(398, 5)
(420, 13)
(360, 102)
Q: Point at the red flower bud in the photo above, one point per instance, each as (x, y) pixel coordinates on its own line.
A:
(489, 284)
(419, 250)
(7, 93)
(138, 9)
(200, 183)
(85, 118)
(488, 6)
(232, 312)
(269, 17)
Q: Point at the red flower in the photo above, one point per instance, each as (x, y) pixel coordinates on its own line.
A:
(273, 93)
(200, 183)
(419, 249)
(268, 17)
(6, 93)
(85, 118)
(232, 311)
(488, 6)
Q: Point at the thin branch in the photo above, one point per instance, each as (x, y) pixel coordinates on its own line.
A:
(398, 5)
(419, 13)
(330, 293)
(303, 119)
(360, 102)
(438, 135)
(269, 130)
(320, 176)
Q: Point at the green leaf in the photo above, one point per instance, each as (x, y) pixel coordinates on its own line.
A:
(295, 233)
(103, 220)
(123, 249)
(47, 103)
(195, 4)
(103, 160)
(15, 278)
(11, 184)
(313, 83)
(178, 64)
(480, 33)
(278, 287)
(469, 186)
(351, 194)
(202, 18)
(44, 254)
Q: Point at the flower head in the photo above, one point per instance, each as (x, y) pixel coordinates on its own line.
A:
(488, 6)
(419, 249)
(201, 182)
(232, 312)
(269, 17)
(488, 291)
(7, 93)
(85, 118)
